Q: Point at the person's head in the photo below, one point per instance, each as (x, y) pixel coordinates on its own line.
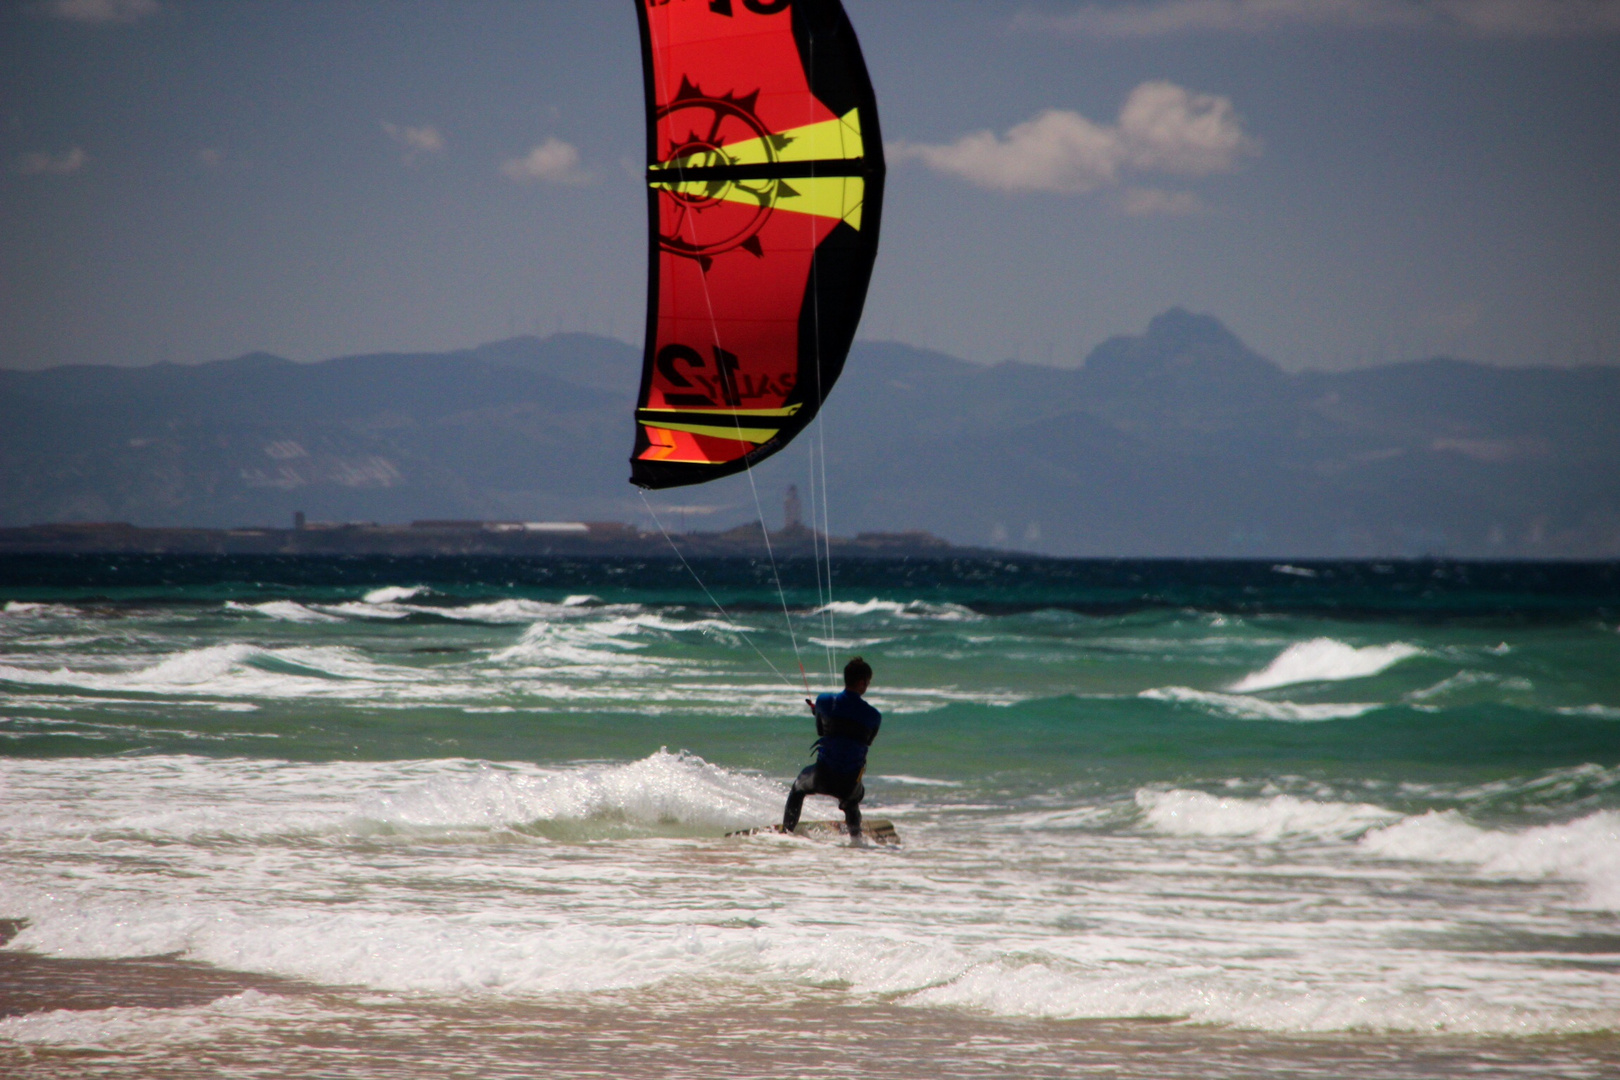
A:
(857, 675)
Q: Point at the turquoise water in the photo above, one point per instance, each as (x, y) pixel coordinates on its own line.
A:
(1252, 801)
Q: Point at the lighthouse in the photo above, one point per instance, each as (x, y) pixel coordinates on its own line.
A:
(792, 510)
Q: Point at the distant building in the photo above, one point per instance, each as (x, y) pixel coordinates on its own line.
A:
(793, 511)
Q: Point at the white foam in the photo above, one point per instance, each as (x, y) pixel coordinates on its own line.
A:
(1324, 660)
(1245, 707)
(195, 799)
(1461, 681)
(1294, 571)
(587, 650)
(24, 607)
(602, 646)
(1066, 992)
(514, 610)
(126, 1028)
(460, 877)
(664, 791)
(920, 781)
(1601, 712)
(574, 608)
(186, 670)
(914, 609)
(848, 644)
(1586, 850)
(507, 611)
(287, 610)
(1197, 813)
(1552, 787)
(392, 594)
(467, 954)
(355, 609)
(241, 670)
(1082, 817)
(195, 667)
(866, 607)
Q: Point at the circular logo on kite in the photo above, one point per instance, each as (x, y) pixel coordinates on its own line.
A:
(708, 214)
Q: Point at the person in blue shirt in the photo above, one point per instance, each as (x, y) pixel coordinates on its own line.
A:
(846, 725)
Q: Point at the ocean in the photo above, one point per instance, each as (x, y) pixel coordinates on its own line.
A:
(465, 817)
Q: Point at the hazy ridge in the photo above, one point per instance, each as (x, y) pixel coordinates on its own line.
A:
(1179, 441)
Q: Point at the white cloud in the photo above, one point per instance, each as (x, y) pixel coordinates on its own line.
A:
(1056, 151)
(1506, 18)
(1152, 202)
(416, 140)
(1166, 129)
(1162, 128)
(45, 164)
(552, 160)
(103, 11)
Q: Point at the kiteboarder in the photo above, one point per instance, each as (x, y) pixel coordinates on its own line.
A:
(765, 179)
(846, 725)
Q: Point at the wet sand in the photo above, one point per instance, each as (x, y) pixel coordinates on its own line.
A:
(33, 984)
(242, 1024)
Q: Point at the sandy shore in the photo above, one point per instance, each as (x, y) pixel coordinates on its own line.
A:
(164, 1017)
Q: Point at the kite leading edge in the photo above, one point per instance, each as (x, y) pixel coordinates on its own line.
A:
(765, 185)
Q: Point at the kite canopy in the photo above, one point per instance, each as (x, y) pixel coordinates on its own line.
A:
(765, 182)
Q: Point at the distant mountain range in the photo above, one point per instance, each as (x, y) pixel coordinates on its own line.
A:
(1181, 441)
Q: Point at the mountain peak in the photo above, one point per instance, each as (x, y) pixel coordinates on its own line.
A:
(1181, 329)
(1180, 347)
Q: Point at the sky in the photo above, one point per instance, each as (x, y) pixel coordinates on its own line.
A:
(1342, 182)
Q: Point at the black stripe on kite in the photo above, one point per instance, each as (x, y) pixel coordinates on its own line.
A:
(663, 417)
(780, 170)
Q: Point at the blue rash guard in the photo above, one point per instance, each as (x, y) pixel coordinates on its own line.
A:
(847, 725)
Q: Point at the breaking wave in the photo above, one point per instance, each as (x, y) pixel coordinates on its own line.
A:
(667, 793)
(287, 610)
(235, 670)
(1244, 707)
(1197, 813)
(1324, 660)
(1586, 850)
(393, 594)
(913, 609)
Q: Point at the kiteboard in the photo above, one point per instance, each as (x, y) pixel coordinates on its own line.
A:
(878, 830)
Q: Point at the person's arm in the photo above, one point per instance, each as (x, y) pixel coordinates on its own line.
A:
(873, 721)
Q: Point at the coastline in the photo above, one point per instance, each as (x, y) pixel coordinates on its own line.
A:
(147, 1017)
(466, 538)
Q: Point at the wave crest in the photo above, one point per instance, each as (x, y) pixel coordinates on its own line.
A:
(1197, 813)
(910, 609)
(393, 594)
(285, 610)
(666, 793)
(1324, 660)
(234, 670)
(1244, 707)
(1586, 850)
